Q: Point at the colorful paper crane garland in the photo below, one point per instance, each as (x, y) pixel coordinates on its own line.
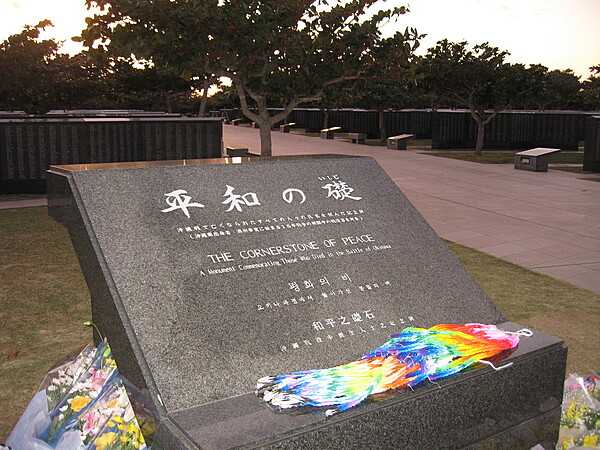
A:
(405, 360)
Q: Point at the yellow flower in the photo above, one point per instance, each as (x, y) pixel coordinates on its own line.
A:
(79, 402)
(110, 363)
(149, 429)
(591, 440)
(567, 444)
(105, 440)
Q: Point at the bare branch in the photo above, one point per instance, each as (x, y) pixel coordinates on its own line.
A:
(490, 117)
(283, 114)
(341, 79)
(256, 97)
(244, 102)
(476, 116)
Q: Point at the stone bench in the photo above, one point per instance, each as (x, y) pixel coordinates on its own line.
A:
(285, 127)
(236, 151)
(356, 138)
(256, 125)
(329, 133)
(535, 159)
(399, 142)
(236, 122)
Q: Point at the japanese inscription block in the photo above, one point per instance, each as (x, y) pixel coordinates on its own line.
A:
(206, 276)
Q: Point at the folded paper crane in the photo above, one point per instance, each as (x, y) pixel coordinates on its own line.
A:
(405, 360)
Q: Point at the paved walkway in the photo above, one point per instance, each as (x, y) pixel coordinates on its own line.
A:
(547, 222)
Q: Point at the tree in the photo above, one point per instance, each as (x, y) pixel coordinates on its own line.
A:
(38, 78)
(30, 69)
(393, 83)
(476, 78)
(170, 38)
(561, 89)
(336, 97)
(277, 53)
(149, 84)
(533, 83)
(23, 64)
(299, 50)
(590, 92)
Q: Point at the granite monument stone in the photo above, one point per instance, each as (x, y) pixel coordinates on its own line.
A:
(206, 275)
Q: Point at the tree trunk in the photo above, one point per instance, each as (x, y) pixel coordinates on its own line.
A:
(325, 118)
(381, 120)
(480, 135)
(262, 117)
(204, 101)
(265, 137)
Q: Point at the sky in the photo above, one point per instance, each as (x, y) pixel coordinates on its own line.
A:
(557, 33)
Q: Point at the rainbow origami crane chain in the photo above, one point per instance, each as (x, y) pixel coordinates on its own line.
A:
(405, 360)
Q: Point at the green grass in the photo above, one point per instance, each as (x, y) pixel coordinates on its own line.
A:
(17, 197)
(44, 301)
(503, 157)
(541, 302)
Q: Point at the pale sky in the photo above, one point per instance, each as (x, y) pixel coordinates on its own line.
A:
(556, 33)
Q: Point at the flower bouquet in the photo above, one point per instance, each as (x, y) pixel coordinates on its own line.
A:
(82, 394)
(82, 405)
(580, 422)
(62, 378)
(121, 432)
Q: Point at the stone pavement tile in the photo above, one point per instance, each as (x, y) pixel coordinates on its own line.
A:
(531, 259)
(566, 240)
(483, 241)
(463, 234)
(580, 261)
(571, 269)
(535, 243)
(595, 267)
(564, 251)
(500, 250)
(582, 278)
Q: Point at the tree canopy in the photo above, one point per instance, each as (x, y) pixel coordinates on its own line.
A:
(480, 79)
(276, 53)
(165, 54)
(35, 75)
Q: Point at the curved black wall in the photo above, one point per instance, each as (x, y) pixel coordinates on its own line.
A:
(29, 146)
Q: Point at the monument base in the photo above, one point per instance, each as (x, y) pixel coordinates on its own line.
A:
(513, 408)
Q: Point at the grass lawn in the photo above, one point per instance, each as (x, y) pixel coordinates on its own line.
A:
(44, 301)
(17, 197)
(502, 157)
